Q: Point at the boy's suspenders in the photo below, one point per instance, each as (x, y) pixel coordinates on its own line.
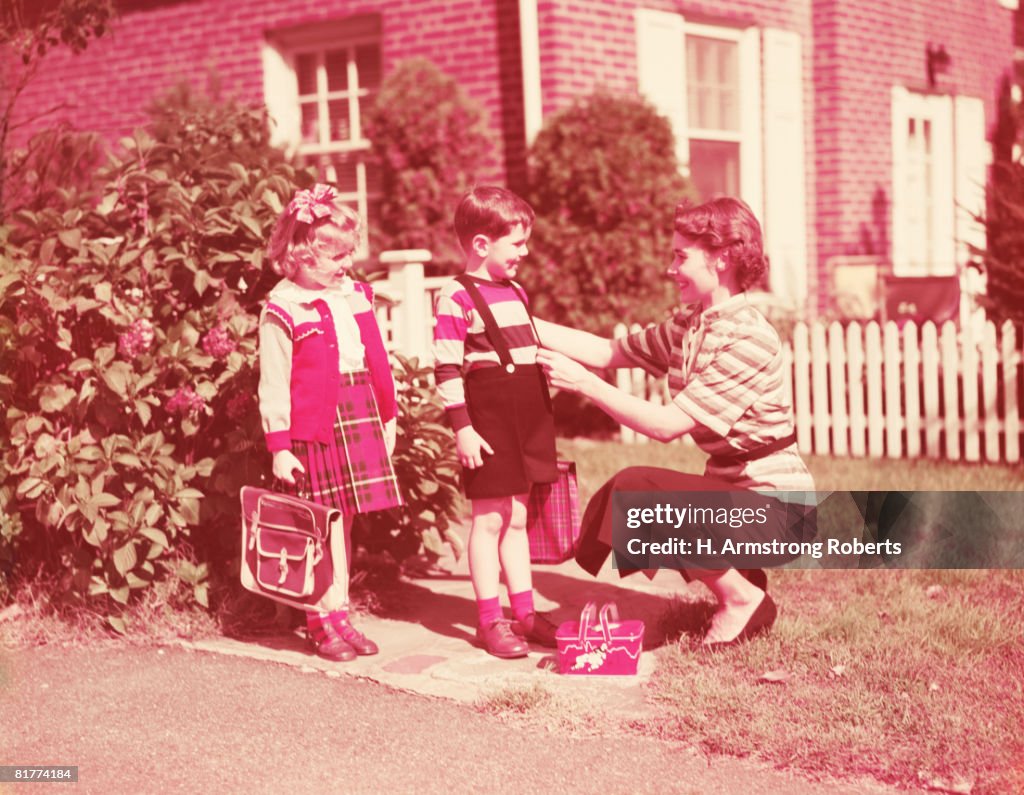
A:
(491, 325)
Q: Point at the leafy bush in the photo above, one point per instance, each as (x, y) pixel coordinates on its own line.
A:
(429, 143)
(128, 353)
(604, 182)
(428, 469)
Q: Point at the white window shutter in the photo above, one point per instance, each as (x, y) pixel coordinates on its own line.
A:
(661, 71)
(972, 156)
(785, 190)
(943, 192)
(281, 94)
(900, 119)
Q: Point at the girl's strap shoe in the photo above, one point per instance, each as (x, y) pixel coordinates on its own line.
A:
(353, 637)
(327, 643)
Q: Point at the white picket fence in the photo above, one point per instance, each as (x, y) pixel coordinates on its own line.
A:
(886, 391)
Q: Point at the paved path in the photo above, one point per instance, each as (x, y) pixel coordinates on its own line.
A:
(173, 720)
(265, 715)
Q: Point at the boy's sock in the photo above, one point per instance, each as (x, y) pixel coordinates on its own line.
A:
(489, 610)
(522, 604)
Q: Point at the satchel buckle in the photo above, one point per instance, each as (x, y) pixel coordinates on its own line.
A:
(283, 564)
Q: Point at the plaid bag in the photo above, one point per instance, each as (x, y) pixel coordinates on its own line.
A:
(293, 550)
(553, 517)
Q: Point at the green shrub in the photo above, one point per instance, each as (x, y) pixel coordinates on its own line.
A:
(604, 182)
(429, 143)
(428, 469)
(128, 364)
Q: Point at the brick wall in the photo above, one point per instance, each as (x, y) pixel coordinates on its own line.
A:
(157, 43)
(863, 49)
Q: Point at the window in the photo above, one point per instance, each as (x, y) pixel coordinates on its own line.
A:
(923, 201)
(734, 96)
(707, 80)
(713, 112)
(318, 85)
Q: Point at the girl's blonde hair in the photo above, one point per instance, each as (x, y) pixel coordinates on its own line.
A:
(295, 239)
(728, 226)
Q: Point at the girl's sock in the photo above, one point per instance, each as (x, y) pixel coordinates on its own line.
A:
(316, 624)
(489, 610)
(522, 604)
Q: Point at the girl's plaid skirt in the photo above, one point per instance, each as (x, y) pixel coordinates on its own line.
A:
(353, 472)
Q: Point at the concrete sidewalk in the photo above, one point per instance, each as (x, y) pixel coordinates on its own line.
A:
(427, 642)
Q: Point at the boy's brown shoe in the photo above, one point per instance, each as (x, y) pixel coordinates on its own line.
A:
(538, 629)
(499, 640)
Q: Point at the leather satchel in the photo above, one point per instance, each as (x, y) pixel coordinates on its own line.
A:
(293, 550)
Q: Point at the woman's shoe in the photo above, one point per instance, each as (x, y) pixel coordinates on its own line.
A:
(760, 621)
(537, 628)
(498, 639)
(353, 637)
(331, 646)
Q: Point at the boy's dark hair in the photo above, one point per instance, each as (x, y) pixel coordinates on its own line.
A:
(729, 226)
(491, 211)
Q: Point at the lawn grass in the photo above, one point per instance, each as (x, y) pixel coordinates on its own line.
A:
(913, 677)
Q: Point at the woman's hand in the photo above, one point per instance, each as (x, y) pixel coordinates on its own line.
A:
(285, 465)
(563, 372)
(471, 447)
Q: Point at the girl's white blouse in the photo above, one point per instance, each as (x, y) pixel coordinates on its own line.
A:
(350, 346)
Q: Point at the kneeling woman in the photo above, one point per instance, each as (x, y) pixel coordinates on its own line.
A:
(724, 365)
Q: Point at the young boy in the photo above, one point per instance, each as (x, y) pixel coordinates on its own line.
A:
(496, 399)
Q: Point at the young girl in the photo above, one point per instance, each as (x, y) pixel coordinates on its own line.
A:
(327, 398)
(497, 402)
(724, 365)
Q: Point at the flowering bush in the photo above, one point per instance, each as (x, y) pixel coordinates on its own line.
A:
(127, 344)
(128, 366)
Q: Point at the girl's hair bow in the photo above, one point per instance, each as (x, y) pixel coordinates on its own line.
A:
(317, 202)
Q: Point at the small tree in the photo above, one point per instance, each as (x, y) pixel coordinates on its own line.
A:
(604, 182)
(430, 144)
(28, 38)
(1003, 257)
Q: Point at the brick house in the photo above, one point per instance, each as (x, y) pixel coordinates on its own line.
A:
(854, 128)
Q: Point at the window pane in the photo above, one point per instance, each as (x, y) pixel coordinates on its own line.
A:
(712, 83)
(340, 127)
(305, 70)
(336, 63)
(310, 123)
(715, 168)
(344, 173)
(373, 183)
(368, 65)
